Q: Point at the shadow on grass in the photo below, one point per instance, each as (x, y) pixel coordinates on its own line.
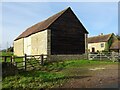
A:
(65, 78)
(73, 77)
(48, 76)
(8, 69)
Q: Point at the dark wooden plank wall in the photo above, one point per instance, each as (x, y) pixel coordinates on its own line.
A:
(67, 35)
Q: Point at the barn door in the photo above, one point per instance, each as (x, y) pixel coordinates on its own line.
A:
(29, 50)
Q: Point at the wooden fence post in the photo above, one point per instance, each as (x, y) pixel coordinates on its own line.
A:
(89, 55)
(11, 59)
(5, 59)
(113, 56)
(24, 62)
(42, 62)
(100, 56)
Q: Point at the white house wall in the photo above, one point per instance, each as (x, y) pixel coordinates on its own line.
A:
(97, 46)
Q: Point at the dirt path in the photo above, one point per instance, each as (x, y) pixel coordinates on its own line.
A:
(105, 77)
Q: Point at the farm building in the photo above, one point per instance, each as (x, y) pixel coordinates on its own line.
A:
(101, 42)
(115, 46)
(60, 34)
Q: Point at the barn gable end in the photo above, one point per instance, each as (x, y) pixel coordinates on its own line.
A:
(67, 34)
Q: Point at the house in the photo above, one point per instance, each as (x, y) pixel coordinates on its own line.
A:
(101, 42)
(115, 46)
(60, 34)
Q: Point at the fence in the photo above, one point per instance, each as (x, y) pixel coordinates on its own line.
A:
(26, 62)
(113, 56)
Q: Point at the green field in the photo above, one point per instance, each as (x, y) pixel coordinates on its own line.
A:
(6, 53)
(52, 74)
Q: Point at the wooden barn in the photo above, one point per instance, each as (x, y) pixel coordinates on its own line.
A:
(60, 34)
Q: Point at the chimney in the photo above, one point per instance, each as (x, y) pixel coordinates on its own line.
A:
(101, 34)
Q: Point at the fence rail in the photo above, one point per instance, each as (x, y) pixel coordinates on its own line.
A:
(25, 62)
(104, 56)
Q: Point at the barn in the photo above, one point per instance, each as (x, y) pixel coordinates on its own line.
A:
(60, 34)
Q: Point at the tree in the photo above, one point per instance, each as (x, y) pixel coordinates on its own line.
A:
(118, 37)
(10, 49)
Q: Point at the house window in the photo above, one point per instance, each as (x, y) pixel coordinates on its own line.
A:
(102, 44)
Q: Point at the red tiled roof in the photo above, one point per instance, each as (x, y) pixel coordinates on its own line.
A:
(100, 38)
(41, 25)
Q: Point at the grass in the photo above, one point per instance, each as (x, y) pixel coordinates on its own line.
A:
(51, 74)
(33, 79)
(8, 59)
(6, 53)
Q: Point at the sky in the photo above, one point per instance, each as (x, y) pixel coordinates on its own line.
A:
(97, 17)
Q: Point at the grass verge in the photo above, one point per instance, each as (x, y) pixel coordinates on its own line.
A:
(51, 74)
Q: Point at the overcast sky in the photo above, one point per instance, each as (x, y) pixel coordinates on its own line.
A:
(96, 17)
